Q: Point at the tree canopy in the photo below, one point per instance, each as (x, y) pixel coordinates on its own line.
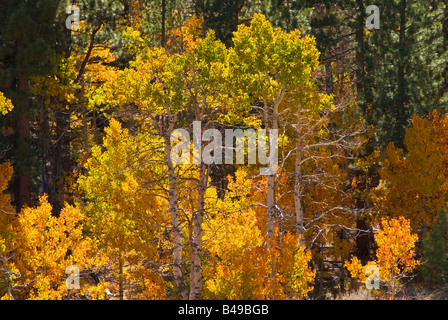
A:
(232, 149)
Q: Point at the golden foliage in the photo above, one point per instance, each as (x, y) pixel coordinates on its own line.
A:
(46, 245)
(240, 264)
(395, 254)
(120, 213)
(5, 104)
(414, 184)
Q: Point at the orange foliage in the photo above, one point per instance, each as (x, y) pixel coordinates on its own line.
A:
(241, 264)
(46, 245)
(415, 184)
(395, 254)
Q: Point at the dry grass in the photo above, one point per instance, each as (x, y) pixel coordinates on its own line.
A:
(360, 294)
(410, 293)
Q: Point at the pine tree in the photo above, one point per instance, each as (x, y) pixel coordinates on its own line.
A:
(435, 250)
(288, 14)
(221, 16)
(28, 34)
(404, 65)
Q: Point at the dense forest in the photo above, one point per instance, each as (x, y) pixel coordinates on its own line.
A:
(223, 149)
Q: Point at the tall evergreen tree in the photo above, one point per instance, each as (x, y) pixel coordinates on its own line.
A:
(405, 65)
(288, 14)
(435, 249)
(221, 16)
(29, 34)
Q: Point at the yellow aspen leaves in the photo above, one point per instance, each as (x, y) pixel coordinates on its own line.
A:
(5, 104)
(46, 245)
(395, 254)
(7, 222)
(241, 265)
(120, 214)
(414, 183)
(396, 245)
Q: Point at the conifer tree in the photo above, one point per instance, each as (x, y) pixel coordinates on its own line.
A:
(404, 65)
(221, 16)
(28, 34)
(435, 249)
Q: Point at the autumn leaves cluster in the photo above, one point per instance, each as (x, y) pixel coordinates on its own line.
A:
(138, 226)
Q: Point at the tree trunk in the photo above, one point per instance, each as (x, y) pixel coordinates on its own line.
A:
(401, 100)
(298, 186)
(85, 130)
(362, 241)
(62, 160)
(444, 86)
(271, 202)
(120, 279)
(328, 76)
(271, 207)
(196, 241)
(271, 210)
(163, 31)
(177, 235)
(45, 138)
(360, 64)
(23, 182)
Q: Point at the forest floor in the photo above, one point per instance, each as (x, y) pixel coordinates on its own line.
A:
(410, 293)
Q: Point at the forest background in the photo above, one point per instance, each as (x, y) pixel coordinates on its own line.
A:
(92, 205)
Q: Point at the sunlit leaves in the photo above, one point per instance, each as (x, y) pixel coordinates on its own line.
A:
(413, 183)
(5, 104)
(46, 245)
(396, 245)
(395, 254)
(240, 264)
(120, 214)
(7, 222)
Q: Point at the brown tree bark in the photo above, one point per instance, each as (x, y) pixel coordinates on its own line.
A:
(22, 191)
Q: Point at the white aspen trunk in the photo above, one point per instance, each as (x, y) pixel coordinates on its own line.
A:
(298, 191)
(271, 178)
(179, 278)
(271, 200)
(196, 241)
